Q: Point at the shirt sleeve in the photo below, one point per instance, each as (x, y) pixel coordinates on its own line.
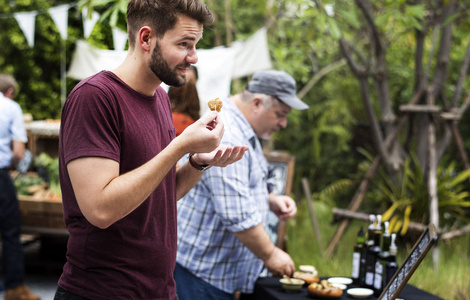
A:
(90, 125)
(236, 192)
(17, 129)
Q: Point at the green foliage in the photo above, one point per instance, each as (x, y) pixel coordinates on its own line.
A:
(37, 69)
(50, 165)
(113, 12)
(449, 281)
(408, 201)
(24, 182)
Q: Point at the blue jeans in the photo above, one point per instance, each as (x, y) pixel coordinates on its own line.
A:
(191, 287)
(12, 249)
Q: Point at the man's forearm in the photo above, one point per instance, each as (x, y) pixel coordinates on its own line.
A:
(186, 177)
(18, 151)
(257, 240)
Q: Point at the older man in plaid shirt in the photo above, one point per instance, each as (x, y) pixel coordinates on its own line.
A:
(223, 245)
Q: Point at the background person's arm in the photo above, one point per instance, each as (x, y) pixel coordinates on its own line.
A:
(257, 240)
(187, 176)
(18, 151)
(282, 206)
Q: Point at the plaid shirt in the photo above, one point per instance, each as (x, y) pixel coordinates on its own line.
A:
(225, 200)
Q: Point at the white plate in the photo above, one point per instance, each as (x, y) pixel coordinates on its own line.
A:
(340, 280)
(360, 292)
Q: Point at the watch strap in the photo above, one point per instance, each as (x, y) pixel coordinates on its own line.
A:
(197, 166)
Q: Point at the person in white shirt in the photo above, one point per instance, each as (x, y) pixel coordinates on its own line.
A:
(12, 147)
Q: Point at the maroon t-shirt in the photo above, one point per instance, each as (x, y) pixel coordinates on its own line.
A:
(135, 257)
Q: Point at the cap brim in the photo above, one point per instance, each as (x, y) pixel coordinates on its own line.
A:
(294, 102)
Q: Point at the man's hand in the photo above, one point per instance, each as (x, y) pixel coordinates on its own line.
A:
(221, 156)
(283, 206)
(203, 136)
(279, 263)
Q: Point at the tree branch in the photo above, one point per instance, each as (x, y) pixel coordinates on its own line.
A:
(462, 76)
(355, 68)
(329, 68)
(366, 7)
(444, 51)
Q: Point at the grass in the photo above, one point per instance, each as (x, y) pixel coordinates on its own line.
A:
(449, 281)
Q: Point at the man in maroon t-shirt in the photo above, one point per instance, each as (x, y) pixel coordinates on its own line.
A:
(117, 158)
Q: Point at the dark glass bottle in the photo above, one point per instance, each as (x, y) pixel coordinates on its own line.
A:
(356, 262)
(369, 242)
(391, 267)
(372, 254)
(382, 260)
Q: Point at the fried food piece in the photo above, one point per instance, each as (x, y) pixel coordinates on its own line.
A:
(307, 277)
(215, 104)
(324, 289)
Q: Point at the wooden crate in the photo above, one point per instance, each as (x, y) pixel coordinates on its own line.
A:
(41, 215)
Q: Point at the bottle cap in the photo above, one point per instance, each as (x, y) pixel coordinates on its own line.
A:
(379, 222)
(387, 230)
(393, 246)
(372, 221)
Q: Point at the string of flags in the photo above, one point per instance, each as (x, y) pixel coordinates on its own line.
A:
(59, 14)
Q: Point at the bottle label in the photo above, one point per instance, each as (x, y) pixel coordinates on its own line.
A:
(378, 276)
(369, 278)
(356, 264)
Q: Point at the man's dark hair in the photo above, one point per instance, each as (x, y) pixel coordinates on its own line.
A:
(161, 15)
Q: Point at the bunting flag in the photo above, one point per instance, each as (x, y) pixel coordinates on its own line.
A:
(89, 24)
(27, 21)
(120, 39)
(59, 15)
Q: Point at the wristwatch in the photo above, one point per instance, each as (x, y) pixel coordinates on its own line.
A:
(197, 166)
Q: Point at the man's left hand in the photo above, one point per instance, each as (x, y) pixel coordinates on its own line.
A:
(222, 156)
(283, 206)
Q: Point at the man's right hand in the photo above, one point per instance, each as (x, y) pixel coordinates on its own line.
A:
(279, 263)
(204, 135)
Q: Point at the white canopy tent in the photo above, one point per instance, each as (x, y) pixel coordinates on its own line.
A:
(216, 67)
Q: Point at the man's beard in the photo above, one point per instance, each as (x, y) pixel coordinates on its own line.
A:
(162, 70)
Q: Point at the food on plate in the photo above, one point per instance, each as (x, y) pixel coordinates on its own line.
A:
(307, 277)
(308, 273)
(324, 289)
(308, 269)
(215, 104)
(291, 285)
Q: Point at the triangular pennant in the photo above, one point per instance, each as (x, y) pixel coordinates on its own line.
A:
(120, 39)
(27, 23)
(59, 15)
(89, 24)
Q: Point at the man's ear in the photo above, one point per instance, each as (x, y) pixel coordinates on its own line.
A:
(257, 102)
(9, 93)
(145, 37)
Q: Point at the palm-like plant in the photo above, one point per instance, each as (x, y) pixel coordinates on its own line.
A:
(408, 201)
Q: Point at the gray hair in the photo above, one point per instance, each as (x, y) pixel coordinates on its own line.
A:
(268, 100)
(6, 82)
